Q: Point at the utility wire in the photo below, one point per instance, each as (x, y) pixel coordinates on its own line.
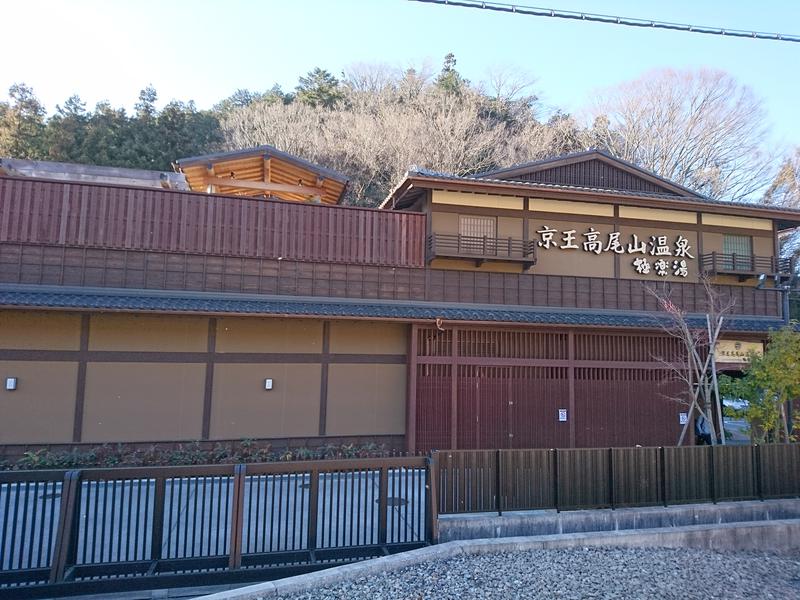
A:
(628, 21)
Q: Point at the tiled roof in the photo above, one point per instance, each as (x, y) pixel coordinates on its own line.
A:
(556, 186)
(103, 299)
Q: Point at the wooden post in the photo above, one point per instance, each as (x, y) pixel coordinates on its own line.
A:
(67, 529)
(555, 478)
(498, 483)
(157, 532)
(383, 498)
(611, 477)
(237, 517)
(411, 398)
(662, 456)
(313, 510)
(432, 476)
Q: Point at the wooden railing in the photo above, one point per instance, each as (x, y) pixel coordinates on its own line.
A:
(506, 480)
(480, 248)
(113, 217)
(108, 530)
(738, 264)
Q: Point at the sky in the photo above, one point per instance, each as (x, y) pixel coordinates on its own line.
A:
(204, 50)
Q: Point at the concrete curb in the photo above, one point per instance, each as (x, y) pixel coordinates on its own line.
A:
(549, 522)
(775, 536)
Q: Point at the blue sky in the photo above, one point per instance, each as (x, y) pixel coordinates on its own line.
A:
(204, 50)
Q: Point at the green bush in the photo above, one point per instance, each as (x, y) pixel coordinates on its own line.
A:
(191, 453)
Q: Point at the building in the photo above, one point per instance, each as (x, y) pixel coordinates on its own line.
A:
(505, 310)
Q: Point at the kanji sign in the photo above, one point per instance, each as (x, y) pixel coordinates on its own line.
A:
(658, 255)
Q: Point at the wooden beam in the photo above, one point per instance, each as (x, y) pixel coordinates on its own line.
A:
(210, 174)
(267, 169)
(302, 190)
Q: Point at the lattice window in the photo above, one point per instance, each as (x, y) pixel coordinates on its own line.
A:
(478, 227)
(738, 251)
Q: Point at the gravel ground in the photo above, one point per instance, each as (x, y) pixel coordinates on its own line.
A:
(583, 573)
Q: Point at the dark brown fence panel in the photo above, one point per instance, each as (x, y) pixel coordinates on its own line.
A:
(583, 479)
(98, 216)
(637, 476)
(780, 470)
(734, 473)
(688, 474)
(527, 479)
(467, 481)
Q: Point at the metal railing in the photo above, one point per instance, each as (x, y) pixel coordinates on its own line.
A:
(108, 530)
(480, 247)
(111, 530)
(715, 263)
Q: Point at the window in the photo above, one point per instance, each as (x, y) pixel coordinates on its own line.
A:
(477, 226)
(477, 234)
(738, 252)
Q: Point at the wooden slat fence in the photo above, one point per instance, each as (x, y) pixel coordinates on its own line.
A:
(108, 530)
(503, 480)
(112, 217)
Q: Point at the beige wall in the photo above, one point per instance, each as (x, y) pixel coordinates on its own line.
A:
(555, 261)
(368, 337)
(143, 402)
(569, 207)
(366, 399)
(254, 334)
(762, 245)
(39, 330)
(42, 408)
(480, 200)
(148, 333)
(626, 268)
(242, 408)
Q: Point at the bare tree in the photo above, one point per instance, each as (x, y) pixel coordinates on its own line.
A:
(785, 188)
(699, 128)
(696, 367)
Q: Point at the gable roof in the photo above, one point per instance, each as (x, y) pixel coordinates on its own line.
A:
(263, 170)
(594, 169)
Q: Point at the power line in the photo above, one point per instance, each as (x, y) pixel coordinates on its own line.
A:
(627, 21)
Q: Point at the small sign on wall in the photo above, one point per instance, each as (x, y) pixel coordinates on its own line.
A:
(562, 414)
(684, 418)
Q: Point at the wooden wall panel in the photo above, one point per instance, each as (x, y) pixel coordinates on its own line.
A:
(102, 216)
(94, 267)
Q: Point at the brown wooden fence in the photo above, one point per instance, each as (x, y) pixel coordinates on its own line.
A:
(53, 264)
(107, 530)
(113, 217)
(504, 480)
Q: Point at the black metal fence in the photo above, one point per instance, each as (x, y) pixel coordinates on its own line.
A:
(108, 530)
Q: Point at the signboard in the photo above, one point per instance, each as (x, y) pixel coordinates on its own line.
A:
(562, 414)
(684, 418)
(657, 255)
(734, 351)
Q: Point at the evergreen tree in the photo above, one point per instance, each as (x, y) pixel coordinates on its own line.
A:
(319, 88)
(22, 124)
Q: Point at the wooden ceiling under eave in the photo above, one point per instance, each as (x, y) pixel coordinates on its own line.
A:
(262, 173)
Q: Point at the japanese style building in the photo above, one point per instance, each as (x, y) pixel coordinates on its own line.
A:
(505, 310)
